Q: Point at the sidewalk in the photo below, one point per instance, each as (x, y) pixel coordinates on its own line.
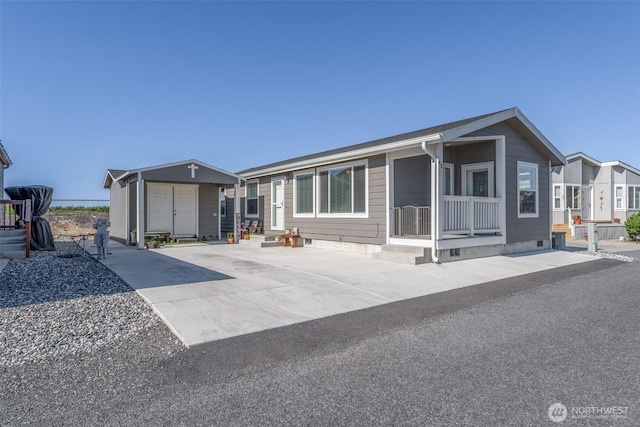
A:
(208, 292)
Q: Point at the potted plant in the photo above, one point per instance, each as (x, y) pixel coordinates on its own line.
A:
(616, 220)
(230, 238)
(577, 219)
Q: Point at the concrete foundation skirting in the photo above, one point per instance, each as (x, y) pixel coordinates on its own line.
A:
(358, 248)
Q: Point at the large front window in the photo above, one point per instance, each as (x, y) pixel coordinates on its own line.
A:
(304, 194)
(528, 190)
(251, 199)
(343, 190)
(573, 196)
(634, 197)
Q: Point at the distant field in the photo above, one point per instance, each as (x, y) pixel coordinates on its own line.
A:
(78, 210)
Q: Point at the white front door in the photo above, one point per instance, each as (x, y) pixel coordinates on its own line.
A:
(160, 207)
(184, 206)
(172, 208)
(277, 204)
(587, 202)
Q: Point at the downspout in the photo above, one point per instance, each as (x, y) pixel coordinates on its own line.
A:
(435, 197)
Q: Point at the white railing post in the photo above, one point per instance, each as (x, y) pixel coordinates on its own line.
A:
(472, 216)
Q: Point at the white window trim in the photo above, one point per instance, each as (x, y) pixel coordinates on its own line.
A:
(312, 214)
(559, 197)
(537, 189)
(570, 197)
(364, 214)
(451, 180)
(246, 199)
(622, 197)
(488, 166)
(634, 208)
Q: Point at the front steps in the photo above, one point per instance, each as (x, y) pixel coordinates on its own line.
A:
(412, 255)
(12, 244)
(261, 241)
(563, 228)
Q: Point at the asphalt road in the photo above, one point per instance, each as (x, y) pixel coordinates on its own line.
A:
(498, 353)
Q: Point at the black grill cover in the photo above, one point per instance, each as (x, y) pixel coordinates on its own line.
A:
(41, 196)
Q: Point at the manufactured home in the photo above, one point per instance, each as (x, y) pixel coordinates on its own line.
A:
(587, 190)
(470, 188)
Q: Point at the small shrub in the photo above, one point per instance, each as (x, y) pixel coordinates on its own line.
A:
(632, 224)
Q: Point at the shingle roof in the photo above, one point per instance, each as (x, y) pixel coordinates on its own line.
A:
(404, 136)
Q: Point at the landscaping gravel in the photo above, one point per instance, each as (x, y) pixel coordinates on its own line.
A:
(60, 303)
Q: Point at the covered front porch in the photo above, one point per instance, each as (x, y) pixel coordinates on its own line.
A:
(463, 180)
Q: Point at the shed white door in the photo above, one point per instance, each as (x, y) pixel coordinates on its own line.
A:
(184, 206)
(172, 208)
(160, 207)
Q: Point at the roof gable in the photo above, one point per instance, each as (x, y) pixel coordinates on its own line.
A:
(440, 133)
(5, 160)
(182, 171)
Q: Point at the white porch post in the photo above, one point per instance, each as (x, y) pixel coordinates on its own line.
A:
(140, 208)
(501, 184)
(236, 208)
(127, 220)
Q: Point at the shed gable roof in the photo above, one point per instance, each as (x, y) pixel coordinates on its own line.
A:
(157, 170)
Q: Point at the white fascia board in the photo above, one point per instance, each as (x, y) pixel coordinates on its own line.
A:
(450, 134)
(500, 117)
(344, 156)
(581, 155)
(184, 162)
(622, 164)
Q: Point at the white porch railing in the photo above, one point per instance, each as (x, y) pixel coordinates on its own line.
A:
(412, 221)
(471, 215)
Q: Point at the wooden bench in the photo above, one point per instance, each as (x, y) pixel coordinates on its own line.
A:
(291, 240)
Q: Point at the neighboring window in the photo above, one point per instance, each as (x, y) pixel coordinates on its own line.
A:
(343, 190)
(557, 197)
(619, 198)
(304, 194)
(251, 199)
(528, 190)
(448, 179)
(634, 198)
(223, 203)
(573, 196)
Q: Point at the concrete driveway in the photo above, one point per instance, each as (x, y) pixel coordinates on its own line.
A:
(207, 292)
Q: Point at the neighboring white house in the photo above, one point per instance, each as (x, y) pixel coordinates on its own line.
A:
(603, 192)
(5, 162)
(597, 191)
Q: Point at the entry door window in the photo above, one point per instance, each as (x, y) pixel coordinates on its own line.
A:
(478, 179)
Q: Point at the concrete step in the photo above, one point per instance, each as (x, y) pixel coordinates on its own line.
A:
(412, 255)
(260, 243)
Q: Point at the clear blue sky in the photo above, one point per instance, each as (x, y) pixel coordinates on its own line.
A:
(87, 86)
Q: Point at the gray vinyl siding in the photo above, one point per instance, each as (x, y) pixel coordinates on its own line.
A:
(519, 149)
(467, 154)
(411, 181)
(182, 174)
(117, 210)
(227, 220)
(632, 178)
(208, 205)
(573, 172)
(370, 230)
